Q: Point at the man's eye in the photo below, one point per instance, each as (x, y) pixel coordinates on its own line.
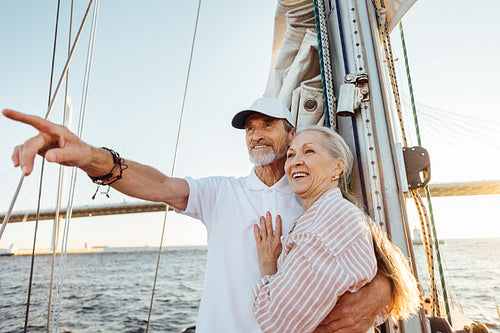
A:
(269, 125)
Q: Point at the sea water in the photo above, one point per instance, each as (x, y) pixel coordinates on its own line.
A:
(106, 292)
(111, 291)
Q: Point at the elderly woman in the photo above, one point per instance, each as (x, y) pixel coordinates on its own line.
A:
(330, 249)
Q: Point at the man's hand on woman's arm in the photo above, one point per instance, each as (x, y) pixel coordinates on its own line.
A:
(356, 312)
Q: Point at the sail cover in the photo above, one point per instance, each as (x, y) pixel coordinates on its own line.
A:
(396, 9)
(295, 76)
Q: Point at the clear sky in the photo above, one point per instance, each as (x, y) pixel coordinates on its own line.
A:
(135, 96)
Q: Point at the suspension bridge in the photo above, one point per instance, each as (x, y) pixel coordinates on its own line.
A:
(437, 190)
(457, 142)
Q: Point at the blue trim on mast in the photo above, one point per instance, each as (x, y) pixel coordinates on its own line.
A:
(353, 119)
(341, 31)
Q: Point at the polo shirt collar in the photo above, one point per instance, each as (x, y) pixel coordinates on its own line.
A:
(255, 184)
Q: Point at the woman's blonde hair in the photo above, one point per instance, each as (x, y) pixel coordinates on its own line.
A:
(391, 262)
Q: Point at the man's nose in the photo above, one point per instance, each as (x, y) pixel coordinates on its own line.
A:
(258, 134)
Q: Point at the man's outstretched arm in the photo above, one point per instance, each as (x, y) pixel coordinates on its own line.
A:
(356, 312)
(57, 144)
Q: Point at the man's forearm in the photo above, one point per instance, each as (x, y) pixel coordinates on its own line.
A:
(59, 145)
(356, 312)
(138, 180)
(96, 162)
(383, 285)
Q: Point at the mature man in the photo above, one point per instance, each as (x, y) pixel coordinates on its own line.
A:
(229, 207)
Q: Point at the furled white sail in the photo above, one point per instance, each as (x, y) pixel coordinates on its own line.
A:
(295, 72)
(294, 75)
(396, 9)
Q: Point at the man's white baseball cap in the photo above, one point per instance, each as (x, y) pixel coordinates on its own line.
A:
(272, 107)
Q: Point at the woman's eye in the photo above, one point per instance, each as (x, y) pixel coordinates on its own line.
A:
(290, 155)
(309, 151)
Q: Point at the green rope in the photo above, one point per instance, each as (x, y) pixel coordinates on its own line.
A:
(427, 192)
(427, 242)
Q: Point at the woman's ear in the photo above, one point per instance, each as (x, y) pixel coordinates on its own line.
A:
(339, 165)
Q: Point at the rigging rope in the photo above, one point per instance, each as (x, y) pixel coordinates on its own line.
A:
(384, 28)
(21, 180)
(30, 284)
(429, 255)
(427, 192)
(60, 190)
(325, 62)
(174, 161)
(47, 115)
(450, 126)
(83, 109)
(42, 171)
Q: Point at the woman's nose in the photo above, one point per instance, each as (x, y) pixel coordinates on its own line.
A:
(297, 160)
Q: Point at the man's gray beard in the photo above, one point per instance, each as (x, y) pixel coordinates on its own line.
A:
(259, 159)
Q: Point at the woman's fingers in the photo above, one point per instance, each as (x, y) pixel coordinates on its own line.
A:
(269, 225)
(263, 228)
(278, 226)
(266, 226)
(256, 233)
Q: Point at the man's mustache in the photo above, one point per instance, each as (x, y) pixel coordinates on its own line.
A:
(261, 142)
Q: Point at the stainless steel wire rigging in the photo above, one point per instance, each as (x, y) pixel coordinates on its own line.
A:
(47, 115)
(51, 103)
(60, 190)
(83, 108)
(174, 160)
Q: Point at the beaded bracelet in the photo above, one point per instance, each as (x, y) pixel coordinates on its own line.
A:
(108, 178)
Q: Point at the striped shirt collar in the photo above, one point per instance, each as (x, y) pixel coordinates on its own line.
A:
(331, 194)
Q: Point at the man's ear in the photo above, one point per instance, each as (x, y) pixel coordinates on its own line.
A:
(291, 134)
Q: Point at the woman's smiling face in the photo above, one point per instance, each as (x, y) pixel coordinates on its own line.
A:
(310, 166)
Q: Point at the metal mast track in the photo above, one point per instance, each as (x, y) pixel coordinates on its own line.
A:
(358, 67)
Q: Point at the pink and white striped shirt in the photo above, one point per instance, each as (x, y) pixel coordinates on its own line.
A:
(328, 252)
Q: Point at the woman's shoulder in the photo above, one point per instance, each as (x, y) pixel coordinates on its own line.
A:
(335, 206)
(339, 221)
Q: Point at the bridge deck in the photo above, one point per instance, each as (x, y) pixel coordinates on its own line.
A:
(437, 190)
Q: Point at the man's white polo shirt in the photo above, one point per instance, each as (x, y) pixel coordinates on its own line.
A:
(229, 207)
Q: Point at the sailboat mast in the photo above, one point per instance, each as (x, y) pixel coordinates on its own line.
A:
(360, 80)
